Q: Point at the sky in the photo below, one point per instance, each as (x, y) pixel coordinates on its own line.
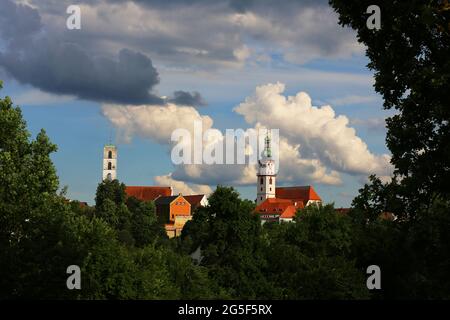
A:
(138, 70)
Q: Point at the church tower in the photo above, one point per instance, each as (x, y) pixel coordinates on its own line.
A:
(266, 174)
(109, 162)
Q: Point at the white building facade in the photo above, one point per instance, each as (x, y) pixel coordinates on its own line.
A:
(109, 162)
(266, 175)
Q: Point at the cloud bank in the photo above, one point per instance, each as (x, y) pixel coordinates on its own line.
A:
(319, 131)
(55, 62)
(316, 145)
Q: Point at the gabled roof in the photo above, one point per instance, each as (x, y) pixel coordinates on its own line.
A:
(195, 200)
(289, 212)
(285, 208)
(147, 193)
(304, 193)
(165, 200)
(168, 200)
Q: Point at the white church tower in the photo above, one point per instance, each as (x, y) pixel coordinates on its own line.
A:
(109, 162)
(266, 174)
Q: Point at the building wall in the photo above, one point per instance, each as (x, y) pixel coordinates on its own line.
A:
(180, 213)
(266, 188)
(180, 221)
(313, 202)
(110, 162)
(179, 206)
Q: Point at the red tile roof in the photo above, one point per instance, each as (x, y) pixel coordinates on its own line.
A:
(285, 208)
(304, 193)
(147, 193)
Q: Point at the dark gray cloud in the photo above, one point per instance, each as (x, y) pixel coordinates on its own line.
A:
(56, 65)
(194, 36)
(65, 68)
(235, 5)
(18, 22)
(210, 35)
(188, 99)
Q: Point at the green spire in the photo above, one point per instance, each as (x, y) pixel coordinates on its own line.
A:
(268, 151)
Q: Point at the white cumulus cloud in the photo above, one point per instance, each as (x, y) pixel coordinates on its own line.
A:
(315, 145)
(319, 132)
(181, 186)
(155, 122)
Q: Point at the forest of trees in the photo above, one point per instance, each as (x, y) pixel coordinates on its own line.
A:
(124, 253)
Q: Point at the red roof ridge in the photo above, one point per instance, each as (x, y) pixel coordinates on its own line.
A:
(148, 193)
(304, 193)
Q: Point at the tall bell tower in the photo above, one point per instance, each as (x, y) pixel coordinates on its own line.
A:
(109, 162)
(266, 174)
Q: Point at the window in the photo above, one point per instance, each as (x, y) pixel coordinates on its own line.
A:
(109, 165)
(261, 188)
(270, 181)
(109, 177)
(262, 181)
(270, 189)
(109, 154)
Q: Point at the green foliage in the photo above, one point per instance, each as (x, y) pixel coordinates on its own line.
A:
(228, 234)
(144, 223)
(377, 197)
(409, 55)
(113, 191)
(41, 233)
(134, 220)
(310, 259)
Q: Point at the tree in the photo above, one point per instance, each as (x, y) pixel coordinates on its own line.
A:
(113, 191)
(145, 227)
(40, 234)
(229, 238)
(409, 55)
(28, 183)
(311, 258)
(377, 197)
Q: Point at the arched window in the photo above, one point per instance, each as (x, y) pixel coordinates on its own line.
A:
(109, 154)
(270, 181)
(262, 181)
(109, 177)
(109, 166)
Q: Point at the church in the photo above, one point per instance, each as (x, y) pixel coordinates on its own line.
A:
(279, 204)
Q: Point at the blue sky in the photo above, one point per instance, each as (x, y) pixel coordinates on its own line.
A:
(225, 65)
